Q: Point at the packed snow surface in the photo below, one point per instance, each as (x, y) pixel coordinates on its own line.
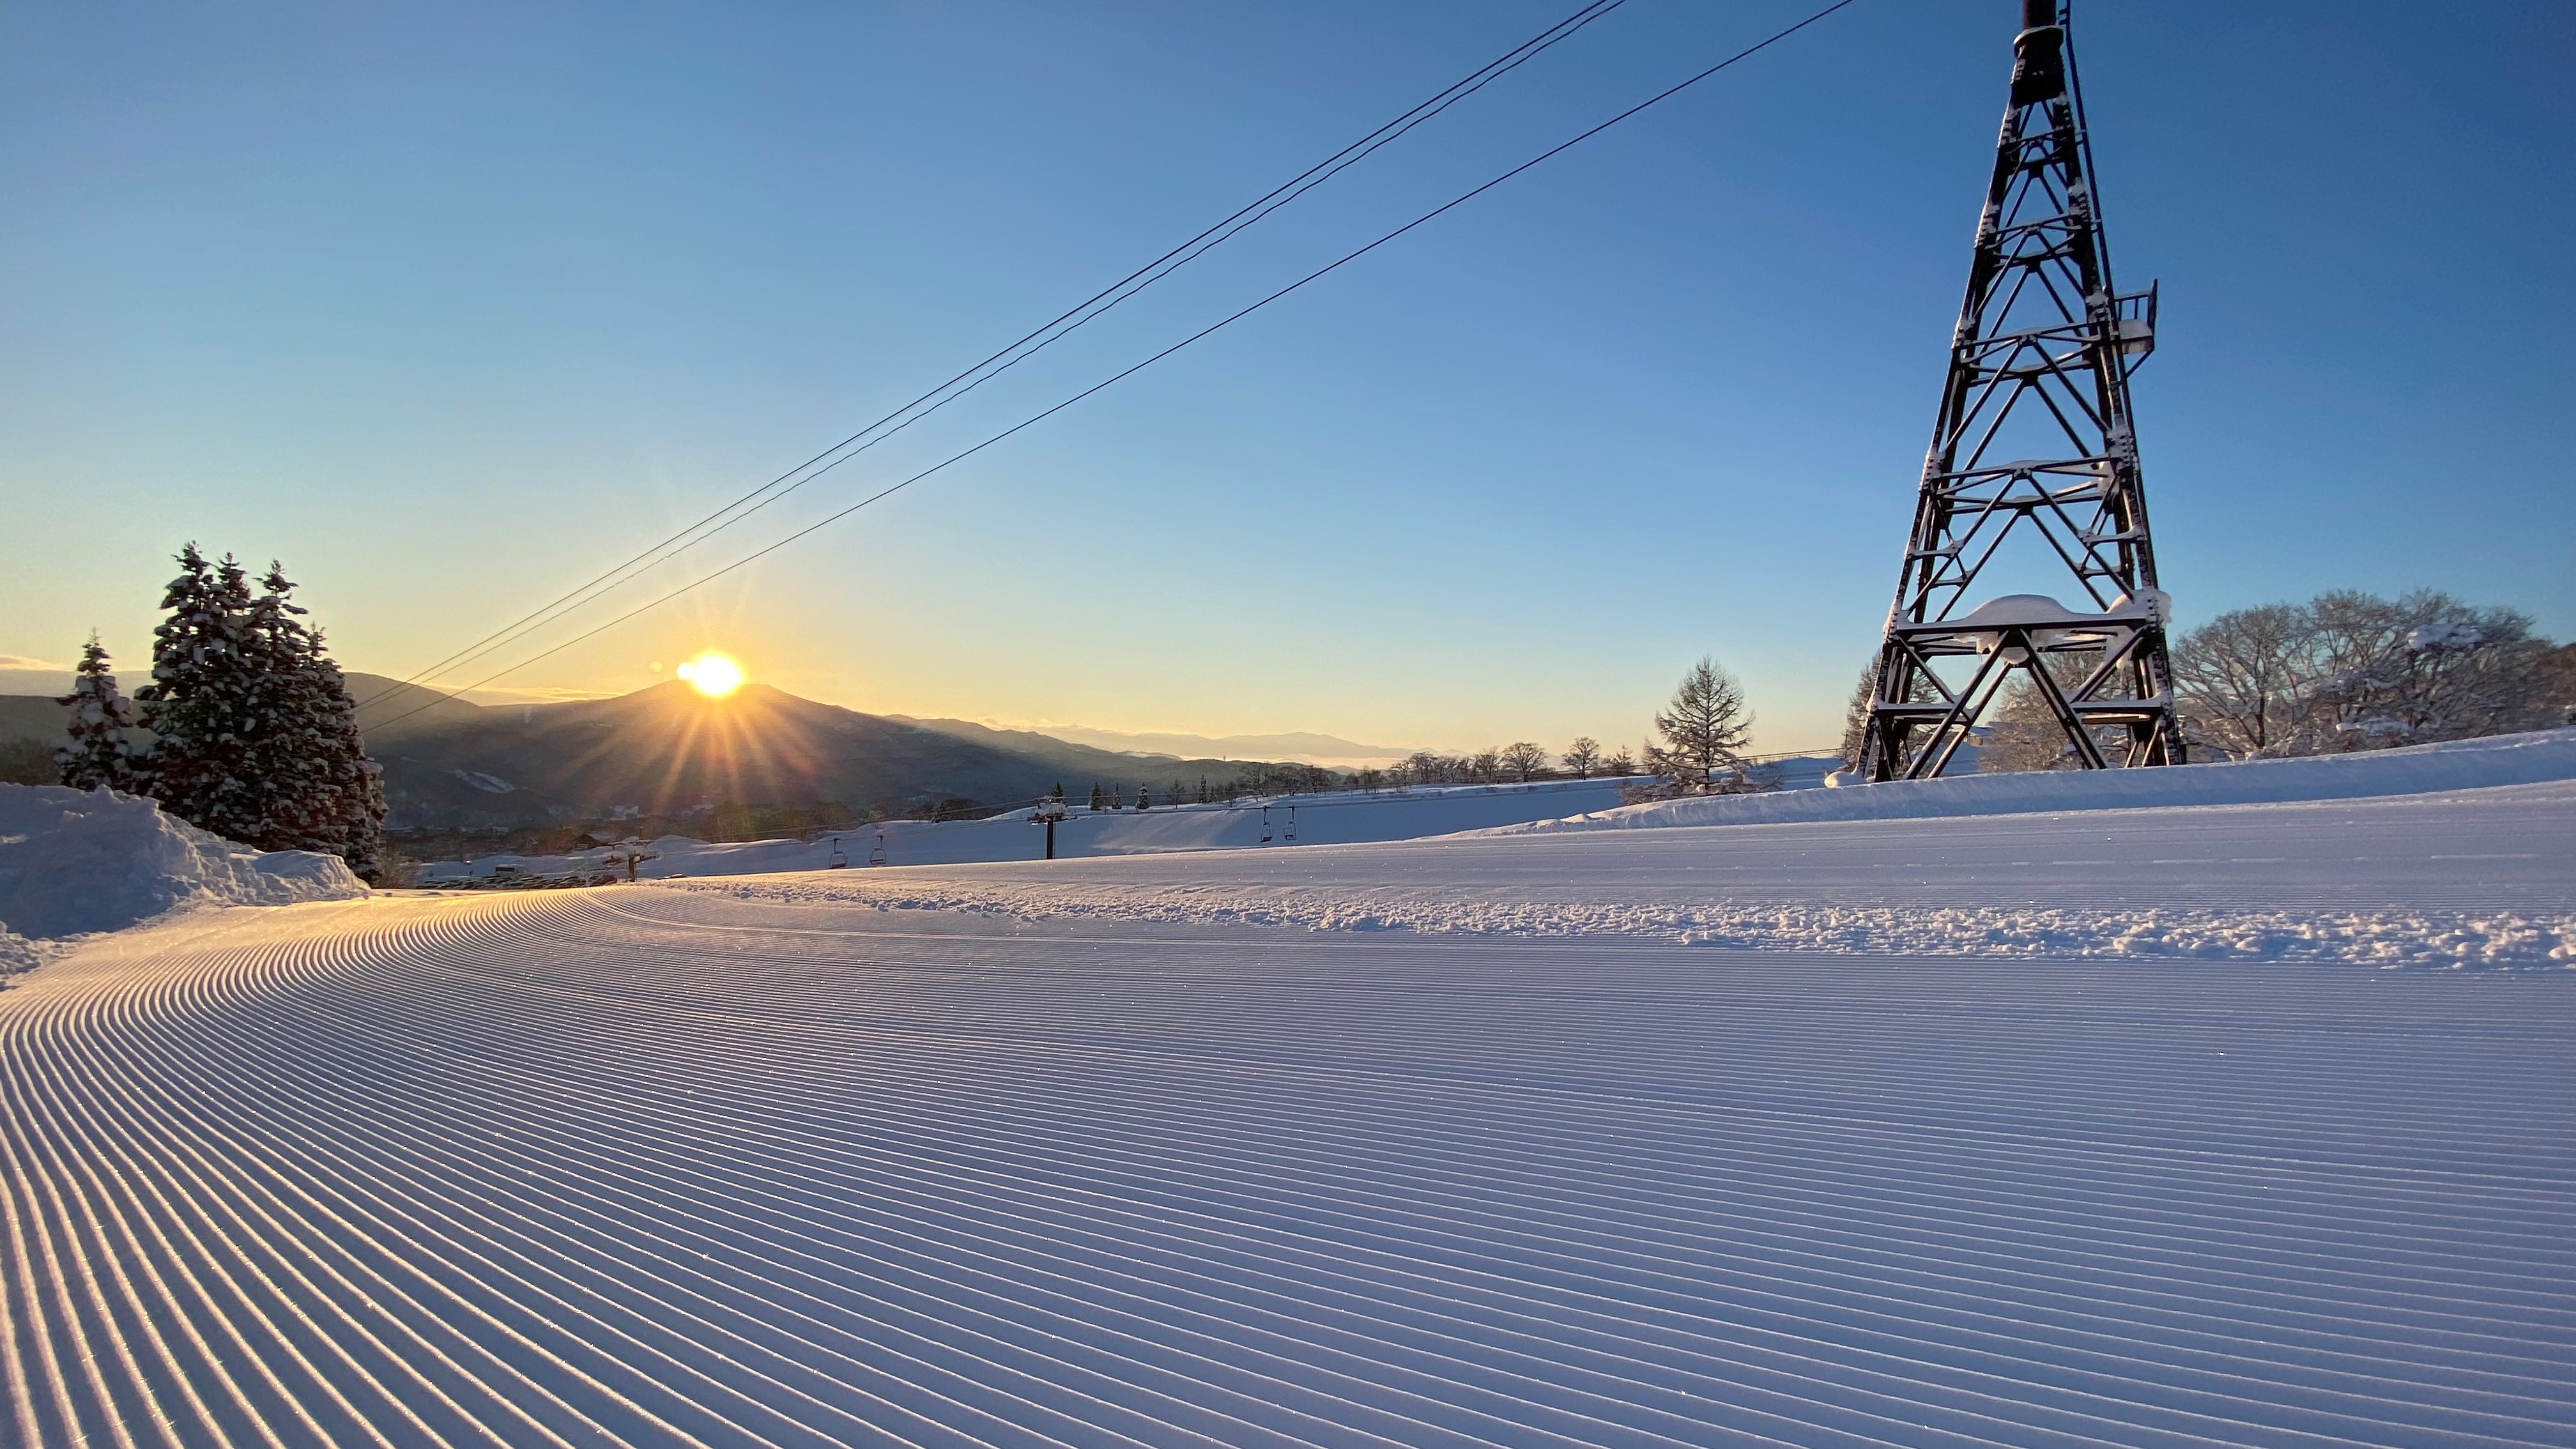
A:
(757, 1161)
(2473, 878)
(2415, 770)
(77, 861)
(1333, 818)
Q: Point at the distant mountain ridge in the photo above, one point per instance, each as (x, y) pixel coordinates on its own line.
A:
(1305, 747)
(667, 751)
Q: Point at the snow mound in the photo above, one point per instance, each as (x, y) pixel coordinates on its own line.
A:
(2523, 759)
(74, 862)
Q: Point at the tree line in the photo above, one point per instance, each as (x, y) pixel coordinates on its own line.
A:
(2344, 671)
(1700, 738)
(246, 730)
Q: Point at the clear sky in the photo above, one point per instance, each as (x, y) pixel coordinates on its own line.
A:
(451, 305)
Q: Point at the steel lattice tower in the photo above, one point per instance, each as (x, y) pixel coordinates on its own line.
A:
(2041, 359)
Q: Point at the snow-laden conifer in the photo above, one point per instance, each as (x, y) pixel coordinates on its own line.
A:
(319, 791)
(202, 701)
(256, 738)
(97, 755)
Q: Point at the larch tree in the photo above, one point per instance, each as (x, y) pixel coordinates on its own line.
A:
(1704, 730)
(97, 756)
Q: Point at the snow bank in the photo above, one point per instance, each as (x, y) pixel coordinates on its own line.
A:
(79, 861)
(2523, 759)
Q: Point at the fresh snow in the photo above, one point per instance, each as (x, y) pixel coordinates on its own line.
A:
(2079, 1127)
(79, 861)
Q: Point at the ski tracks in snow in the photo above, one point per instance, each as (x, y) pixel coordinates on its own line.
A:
(649, 1166)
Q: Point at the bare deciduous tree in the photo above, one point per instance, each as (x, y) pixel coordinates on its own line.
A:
(2026, 734)
(1580, 756)
(2242, 678)
(1524, 759)
(2353, 671)
(1704, 731)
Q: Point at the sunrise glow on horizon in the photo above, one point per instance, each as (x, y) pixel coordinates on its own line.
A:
(712, 674)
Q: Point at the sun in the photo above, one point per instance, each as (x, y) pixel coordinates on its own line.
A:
(714, 675)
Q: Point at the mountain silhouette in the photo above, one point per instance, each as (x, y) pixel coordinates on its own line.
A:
(667, 750)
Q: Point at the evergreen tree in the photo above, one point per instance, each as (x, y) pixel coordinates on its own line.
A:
(1856, 715)
(256, 738)
(320, 791)
(97, 756)
(201, 701)
(1095, 797)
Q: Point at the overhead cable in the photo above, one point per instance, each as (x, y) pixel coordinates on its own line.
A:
(1017, 351)
(1130, 371)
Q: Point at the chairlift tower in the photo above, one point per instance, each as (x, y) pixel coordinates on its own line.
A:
(2041, 358)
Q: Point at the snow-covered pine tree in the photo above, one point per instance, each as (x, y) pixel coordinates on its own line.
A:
(283, 746)
(201, 702)
(98, 755)
(354, 785)
(320, 791)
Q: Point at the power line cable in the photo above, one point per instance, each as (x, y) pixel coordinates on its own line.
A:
(1020, 350)
(1114, 378)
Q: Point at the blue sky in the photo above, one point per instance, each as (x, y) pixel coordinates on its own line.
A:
(451, 306)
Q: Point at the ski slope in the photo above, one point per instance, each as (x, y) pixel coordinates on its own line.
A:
(1345, 817)
(1053, 1155)
(2470, 878)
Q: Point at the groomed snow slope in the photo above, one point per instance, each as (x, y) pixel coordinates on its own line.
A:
(2523, 759)
(1337, 818)
(659, 1165)
(2471, 878)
